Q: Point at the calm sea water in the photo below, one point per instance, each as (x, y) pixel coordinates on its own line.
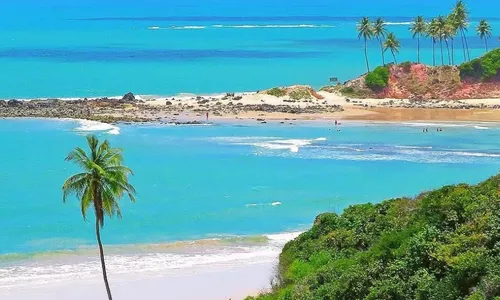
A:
(239, 191)
(82, 48)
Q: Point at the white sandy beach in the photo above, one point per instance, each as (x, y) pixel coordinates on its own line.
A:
(217, 283)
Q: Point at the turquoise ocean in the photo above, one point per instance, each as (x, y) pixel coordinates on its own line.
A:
(224, 193)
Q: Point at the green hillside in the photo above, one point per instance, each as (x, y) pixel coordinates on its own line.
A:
(444, 244)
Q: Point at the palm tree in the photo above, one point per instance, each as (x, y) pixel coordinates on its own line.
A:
(441, 33)
(461, 18)
(484, 32)
(102, 183)
(433, 33)
(452, 30)
(392, 43)
(380, 32)
(418, 27)
(365, 31)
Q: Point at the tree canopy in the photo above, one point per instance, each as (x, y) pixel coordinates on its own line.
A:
(441, 245)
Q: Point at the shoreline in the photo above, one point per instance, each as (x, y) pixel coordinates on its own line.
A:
(259, 107)
(219, 282)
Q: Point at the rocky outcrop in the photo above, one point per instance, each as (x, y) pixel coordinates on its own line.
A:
(128, 97)
(421, 82)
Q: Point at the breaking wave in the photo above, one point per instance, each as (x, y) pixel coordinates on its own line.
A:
(147, 259)
(242, 26)
(89, 126)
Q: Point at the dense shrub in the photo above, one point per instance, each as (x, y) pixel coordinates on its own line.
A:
(442, 245)
(378, 78)
(277, 92)
(300, 94)
(482, 68)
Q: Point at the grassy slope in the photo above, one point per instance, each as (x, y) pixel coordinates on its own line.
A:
(444, 244)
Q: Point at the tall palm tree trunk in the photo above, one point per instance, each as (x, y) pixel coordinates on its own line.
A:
(442, 57)
(486, 44)
(452, 51)
(418, 48)
(394, 56)
(448, 50)
(366, 56)
(101, 253)
(466, 46)
(382, 51)
(463, 45)
(433, 52)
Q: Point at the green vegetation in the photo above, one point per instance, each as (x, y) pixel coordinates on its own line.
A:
(392, 44)
(406, 66)
(442, 30)
(482, 68)
(418, 28)
(442, 245)
(365, 31)
(380, 32)
(298, 94)
(378, 79)
(101, 185)
(277, 92)
(484, 32)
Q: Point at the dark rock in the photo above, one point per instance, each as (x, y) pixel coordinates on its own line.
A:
(128, 97)
(168, 103)
(3, 103)
(14, 102)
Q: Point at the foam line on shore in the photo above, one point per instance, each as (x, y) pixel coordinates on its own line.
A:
(151, 259)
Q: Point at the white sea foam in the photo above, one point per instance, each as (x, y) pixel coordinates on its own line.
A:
(397, 23)
(264, 204)
(421, 124)
(242, 26)
(149, 263)
(481, 127)
(293, 145)
(187, 27)
(89, 126)
(414, 147)
(275, 26)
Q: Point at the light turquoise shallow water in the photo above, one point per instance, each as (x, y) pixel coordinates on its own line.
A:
(214, 182)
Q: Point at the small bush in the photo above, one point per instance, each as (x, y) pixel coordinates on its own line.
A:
(406, 66)
(300, 94)
(378, 78)
(347, 90)
(277, 92)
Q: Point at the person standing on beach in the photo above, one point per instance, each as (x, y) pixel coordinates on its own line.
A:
(207, 115)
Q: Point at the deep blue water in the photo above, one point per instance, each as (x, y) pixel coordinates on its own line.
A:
(96, 48)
